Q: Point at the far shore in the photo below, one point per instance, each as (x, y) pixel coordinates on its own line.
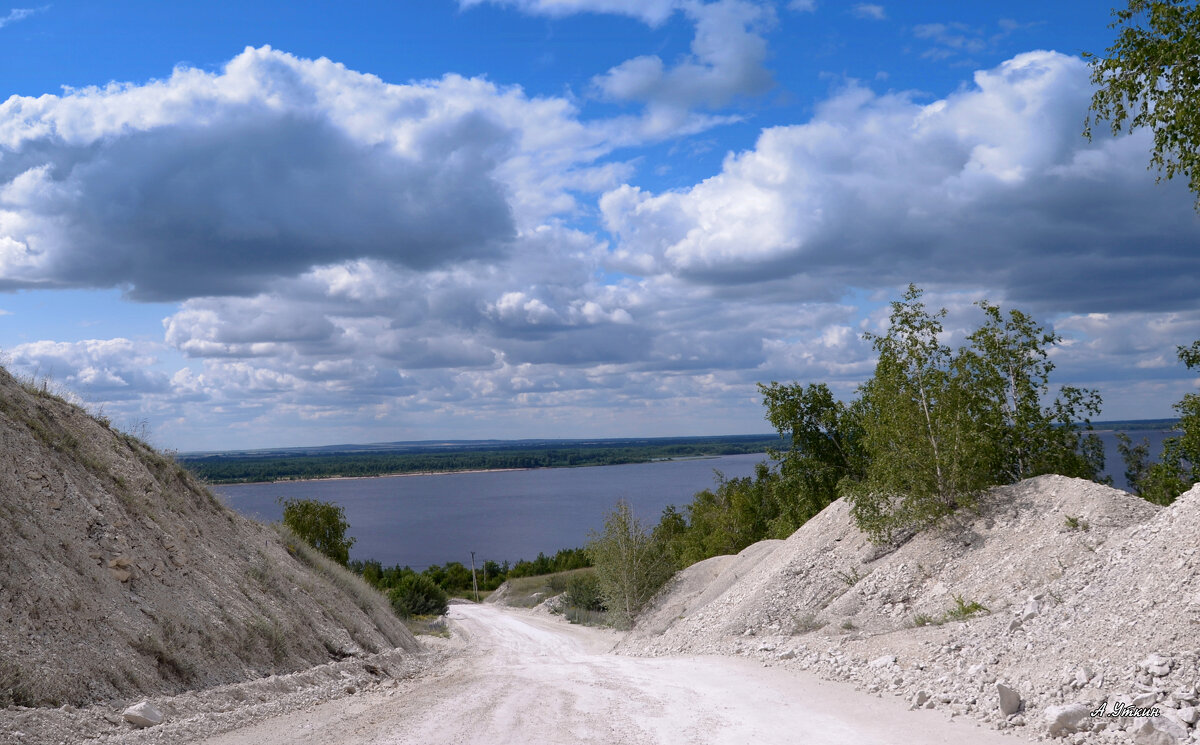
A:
(467, 470)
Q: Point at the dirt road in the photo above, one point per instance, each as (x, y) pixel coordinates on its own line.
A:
(526, 679)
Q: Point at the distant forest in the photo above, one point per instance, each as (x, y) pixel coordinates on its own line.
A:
(379, 460)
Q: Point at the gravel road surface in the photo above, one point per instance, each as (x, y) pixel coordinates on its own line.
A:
(524, 678)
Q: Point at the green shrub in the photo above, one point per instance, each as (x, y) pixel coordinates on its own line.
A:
(963, 609)
(417, 595)
(583, 592)
(321, 524)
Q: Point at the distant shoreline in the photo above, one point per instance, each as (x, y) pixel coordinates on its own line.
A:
(471, 470)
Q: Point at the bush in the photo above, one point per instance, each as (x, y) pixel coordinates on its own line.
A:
(417, 595)
(630, 564)
(322, 525)
(583, 592)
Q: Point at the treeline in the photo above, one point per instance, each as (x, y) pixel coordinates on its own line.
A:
(454, 578)
(924, 437)
(228, 469)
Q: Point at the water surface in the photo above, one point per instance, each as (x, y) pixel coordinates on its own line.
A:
(500, 515)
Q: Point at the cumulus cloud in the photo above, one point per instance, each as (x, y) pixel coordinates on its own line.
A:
(991, 186)
(215, 183)
(109, 369)
(726, 61)
(526, 318)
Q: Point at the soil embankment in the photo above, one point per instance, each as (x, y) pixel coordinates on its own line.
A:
(122, 577)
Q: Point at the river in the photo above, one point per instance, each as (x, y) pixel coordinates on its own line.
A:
(510, 515)
(500, 515)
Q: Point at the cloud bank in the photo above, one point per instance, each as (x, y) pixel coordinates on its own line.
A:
(456, 257)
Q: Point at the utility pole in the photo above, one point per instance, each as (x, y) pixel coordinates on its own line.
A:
(474, 584)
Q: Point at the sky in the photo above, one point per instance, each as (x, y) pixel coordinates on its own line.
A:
(232, 225)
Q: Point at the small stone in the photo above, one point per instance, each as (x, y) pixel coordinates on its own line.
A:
(1010, 700)
(1189, 714)
(144, 714)
(1031, 610)
(884, 661)
(1157, 665)
(1146, 699)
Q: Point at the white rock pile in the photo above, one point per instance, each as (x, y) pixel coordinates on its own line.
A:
(1085, 625)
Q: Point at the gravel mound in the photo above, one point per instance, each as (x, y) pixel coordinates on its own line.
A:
(1058, 596)
(121, 577)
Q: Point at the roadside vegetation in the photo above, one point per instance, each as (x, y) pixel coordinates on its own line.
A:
(1178, 466)
(923, 439)
(315, 531)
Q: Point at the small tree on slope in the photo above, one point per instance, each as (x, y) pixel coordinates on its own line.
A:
(630, 565)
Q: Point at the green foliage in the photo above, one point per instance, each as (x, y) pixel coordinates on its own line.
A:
(720, 522)
(963, 609)
(1150, 77)
(850, 576)
(320, 524)
(927, 457)
(1179, 465)
(583, 592)
(563, 561)
(825, 446)
(1007, 369)
(924, 619)
(630, 564)
(455, 578)
(1137, 461)
(417, 595)
(931, 430)
(1076, 523)
(939, 427)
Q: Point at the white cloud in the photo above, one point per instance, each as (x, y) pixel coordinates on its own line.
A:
(727, 59)
(109, 369)
(870, 11)
(215, 183)
(18, 14)
(768, 270)
(991, 186)
(652, 12)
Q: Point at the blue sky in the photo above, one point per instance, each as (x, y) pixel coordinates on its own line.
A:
(252, 225)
